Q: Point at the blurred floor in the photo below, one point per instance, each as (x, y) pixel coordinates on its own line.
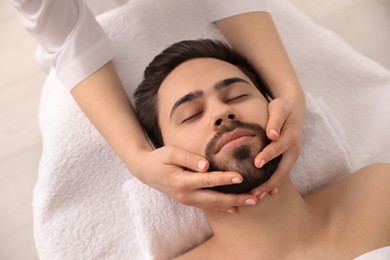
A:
(363, 23)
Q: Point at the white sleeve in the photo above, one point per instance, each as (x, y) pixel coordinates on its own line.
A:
(68, 36)
(219, 9)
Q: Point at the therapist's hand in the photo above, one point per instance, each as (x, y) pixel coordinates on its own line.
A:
(284, 128)
(165, 170)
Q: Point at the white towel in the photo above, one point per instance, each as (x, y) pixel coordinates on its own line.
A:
(166, 228)
(378, 254)
(79, 209)
(356, 88)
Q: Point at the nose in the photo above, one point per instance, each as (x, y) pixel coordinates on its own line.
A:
(224, 116)
(219, 121)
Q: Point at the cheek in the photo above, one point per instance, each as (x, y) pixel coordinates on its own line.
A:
(188, 138)
(255, 112)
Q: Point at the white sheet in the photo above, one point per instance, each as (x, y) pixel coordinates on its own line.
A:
(378, 254)
(79, 210)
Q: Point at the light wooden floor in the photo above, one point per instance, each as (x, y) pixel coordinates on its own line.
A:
(363, 23)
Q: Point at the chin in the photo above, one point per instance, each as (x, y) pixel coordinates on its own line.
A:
(241, 160)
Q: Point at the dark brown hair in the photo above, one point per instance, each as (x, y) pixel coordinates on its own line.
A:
(146, 94)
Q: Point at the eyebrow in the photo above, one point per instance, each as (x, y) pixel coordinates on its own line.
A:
(197, 94)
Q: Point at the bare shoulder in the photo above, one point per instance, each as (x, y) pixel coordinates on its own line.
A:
(374, 179)
(367, 187)
(363, 201)
(368, 181)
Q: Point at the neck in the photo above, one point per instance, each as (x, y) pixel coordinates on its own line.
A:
(276, 221)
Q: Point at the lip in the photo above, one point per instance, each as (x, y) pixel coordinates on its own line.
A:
(233, 137)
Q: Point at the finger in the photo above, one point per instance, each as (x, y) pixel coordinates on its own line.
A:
(232, 210)
(217, 201)
(284, 168)
(271, 151)
(281, 173)
(274, 191)
(277, 116)
(259, 192)
(209, 179)
(187, 160)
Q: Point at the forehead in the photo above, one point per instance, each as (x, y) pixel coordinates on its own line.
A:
(196, 74)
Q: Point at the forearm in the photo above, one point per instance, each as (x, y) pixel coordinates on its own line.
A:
(255, 36)
(104, 101)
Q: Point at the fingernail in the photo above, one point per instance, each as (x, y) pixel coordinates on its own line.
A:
(263, 195)
(201, 164)
(250, 202)
(230, 211)
(261, 164)
(273, 132)
(236, 180)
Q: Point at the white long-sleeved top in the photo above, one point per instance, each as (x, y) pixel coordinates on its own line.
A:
(70, 38)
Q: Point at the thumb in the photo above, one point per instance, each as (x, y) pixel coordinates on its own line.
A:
(276, 118)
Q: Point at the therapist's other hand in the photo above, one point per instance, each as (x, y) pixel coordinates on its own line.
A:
(284, 129)
(165, 170)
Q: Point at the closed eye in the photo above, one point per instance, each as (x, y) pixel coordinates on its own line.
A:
(192, 117)
(237, 98)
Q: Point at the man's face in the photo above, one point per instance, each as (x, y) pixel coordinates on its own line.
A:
(210, 107)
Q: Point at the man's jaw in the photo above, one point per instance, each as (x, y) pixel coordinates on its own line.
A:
(234, 148)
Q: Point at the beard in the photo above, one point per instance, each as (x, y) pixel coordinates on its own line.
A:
(241, 159)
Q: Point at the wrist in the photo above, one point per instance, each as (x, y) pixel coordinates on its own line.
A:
(293, 94)
(135, 156)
